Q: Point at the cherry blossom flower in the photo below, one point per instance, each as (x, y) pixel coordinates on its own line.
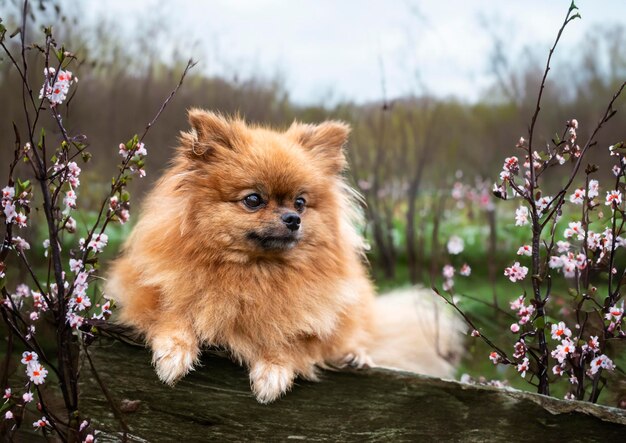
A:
(592, 346)
(514, 328)
(113, 202)
(41, 423)
(55, 88)
(601, 362)
(10, 212)
(495, 357)
(75, 320)
(578, 197)
(465, 270)
(80, 302)
(517, 303)
(575, 228)
(76, 265)
(448, 271)
(516, 272)
(560, 331)
(613, 198)
(594, 189)
(7, 393)
(615, 312)
(519, 349)
(29, 357)
(511, 164)
(36, 372)
(123, 216)
(27, 397)
(455, 245)
(563, 350)
(525, 250)
(89, 438)
(557, 370)
(20, 244)
(70, 225)
(521, 216)
(97, 243)
(555, 262)
(70, 199)
(21, 219)
(475, 333)
(523, 367)
(542, 204)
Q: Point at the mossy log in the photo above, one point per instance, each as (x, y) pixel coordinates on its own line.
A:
(214, 403)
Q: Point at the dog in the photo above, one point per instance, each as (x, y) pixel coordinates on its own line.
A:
(249, 242)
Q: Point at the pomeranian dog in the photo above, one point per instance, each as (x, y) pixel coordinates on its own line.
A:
(249, 242)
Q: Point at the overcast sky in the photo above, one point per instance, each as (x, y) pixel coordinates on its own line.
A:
(341, 49)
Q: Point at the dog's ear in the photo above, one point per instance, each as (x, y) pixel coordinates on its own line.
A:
(325, 141)
(211, 131)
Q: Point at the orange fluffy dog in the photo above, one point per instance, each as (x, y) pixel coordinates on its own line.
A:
(248, 242)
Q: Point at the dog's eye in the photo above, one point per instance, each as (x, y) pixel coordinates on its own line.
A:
(299, 204)
(253, 201)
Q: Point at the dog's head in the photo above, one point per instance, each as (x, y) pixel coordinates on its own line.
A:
(256, 192)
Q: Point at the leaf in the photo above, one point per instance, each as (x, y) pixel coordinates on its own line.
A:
(540, 322)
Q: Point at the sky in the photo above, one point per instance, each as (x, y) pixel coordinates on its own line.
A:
(333, 50)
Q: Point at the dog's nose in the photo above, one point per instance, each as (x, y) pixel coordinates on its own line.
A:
(291, 220)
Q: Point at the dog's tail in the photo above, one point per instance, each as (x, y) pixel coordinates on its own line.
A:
(416, 331)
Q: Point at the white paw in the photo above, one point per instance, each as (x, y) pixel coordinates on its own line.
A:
(270, 381)
(173, 358)
(358, 359)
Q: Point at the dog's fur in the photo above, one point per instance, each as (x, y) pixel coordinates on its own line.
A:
(200, 267)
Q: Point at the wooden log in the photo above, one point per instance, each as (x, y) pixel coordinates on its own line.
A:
(215, 403)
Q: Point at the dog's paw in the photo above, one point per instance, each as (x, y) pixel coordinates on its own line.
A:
(269, 381)
(358, 360)
(173, 358)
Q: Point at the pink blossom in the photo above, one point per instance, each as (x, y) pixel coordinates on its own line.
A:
(75, 320)
(555, 262)
(560, 331)
(516, 272)
(495, 358)
(76, 265)
(97, 243)
(563, 350)
(615, 312)
(20, 244)
(80, 302)
(542, 204)
(89, 438)
(601, 362)
(521, 216)
(27, 397)
(455, 245)
(525, 250)
(465, 270)
(448, 284)
(613, 198)
(70, 199)
(8, 415)
(55, 89)
(29, 357)
(21, 219)
(575, 228)
(519, 349)
(557, 370)
(594, 188)
(448, 271)
(9, 212)
(475, 333)
(523, 367)
(515, 328)
(578, 197)
(36, 372)
(7, 393)
(41, 423)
